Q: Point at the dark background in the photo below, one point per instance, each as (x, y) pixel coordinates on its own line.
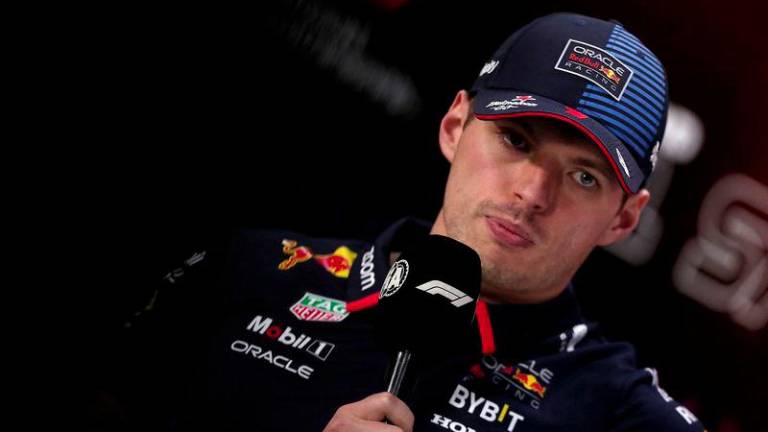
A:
(186, 123)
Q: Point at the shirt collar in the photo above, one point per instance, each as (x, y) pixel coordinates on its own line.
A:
(518, 328)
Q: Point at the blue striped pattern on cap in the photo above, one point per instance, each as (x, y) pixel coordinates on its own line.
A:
(636, 119)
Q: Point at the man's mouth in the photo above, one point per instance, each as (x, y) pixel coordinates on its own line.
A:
(509, 233)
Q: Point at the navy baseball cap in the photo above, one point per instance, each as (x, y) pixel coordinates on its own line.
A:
(590, 73)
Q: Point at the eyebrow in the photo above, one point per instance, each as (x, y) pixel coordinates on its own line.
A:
(521, 123)
(527, 127)
(599, 166)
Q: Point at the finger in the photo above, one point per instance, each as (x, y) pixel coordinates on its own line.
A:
(378, 426)
(360, 425)
(344, 421)
(382, 406)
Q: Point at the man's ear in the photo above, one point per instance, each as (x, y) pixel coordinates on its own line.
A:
(452, 125)
(626, 219)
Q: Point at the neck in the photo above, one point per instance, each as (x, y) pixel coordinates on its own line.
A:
(492, 294)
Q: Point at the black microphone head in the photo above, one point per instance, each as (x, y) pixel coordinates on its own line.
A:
(427, 301)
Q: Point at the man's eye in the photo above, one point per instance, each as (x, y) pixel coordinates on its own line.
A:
(585, 179)
(514, 140)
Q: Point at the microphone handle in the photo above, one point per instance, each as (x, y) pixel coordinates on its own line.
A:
(398, 371)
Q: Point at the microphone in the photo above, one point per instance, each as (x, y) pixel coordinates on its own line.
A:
(426, 307)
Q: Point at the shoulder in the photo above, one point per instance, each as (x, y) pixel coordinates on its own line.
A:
(641, 403)
(638, 402)
(283, 250)
(647, 406)
(251, 261)
(284, 241)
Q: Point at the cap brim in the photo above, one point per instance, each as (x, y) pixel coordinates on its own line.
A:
(501, 104)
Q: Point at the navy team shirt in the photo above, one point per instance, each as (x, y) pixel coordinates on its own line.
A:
(277, 334)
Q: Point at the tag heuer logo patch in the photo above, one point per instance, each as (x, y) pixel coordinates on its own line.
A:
(313, 307)
(596, 65)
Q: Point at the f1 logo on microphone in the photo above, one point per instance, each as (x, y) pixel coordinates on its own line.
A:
(456, 297)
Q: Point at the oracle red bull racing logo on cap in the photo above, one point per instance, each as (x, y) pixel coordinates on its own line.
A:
(313, 307)
(596, 65)
(338, 263)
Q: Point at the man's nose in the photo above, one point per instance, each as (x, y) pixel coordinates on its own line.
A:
(534, 185)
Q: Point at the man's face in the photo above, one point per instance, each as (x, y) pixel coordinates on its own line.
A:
(533, 197)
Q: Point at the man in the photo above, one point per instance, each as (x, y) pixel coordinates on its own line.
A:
(549, 154)
(538, 183)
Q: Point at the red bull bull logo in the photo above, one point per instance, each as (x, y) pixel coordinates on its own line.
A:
(610, 74)
(529, 382)
(338, 263)
(298, 254)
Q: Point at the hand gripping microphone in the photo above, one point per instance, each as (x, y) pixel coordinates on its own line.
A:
(426, 307)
